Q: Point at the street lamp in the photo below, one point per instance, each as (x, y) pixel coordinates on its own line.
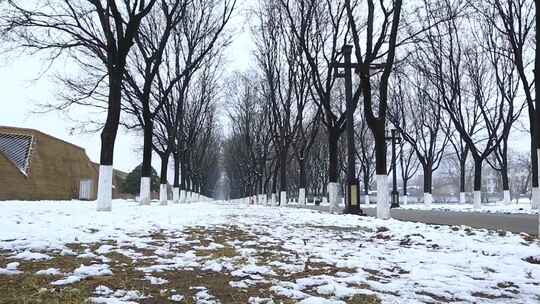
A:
(352, 197)
(351, 194)
(394, 138)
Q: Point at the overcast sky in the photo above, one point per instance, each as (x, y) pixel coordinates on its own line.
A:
(20, 95)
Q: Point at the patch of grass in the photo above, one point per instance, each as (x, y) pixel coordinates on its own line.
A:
(29, 288)
(363, 299)
(490, 296)
(533, 259)
(439, 298)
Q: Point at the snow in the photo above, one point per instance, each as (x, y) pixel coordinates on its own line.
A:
(83, 272)
(252, 269)
(399, 262)
(522, 206)
(107, 296)
(204, 297)
(155, 280)
(176, 298)
(27, 255)
(10, 269)
(49, 272)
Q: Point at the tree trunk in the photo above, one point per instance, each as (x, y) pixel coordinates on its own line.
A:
(462, 171)
(477, 174)
(183, 175)
(366, 180)
(333, 139)
(477, 193)
(405, 181)
(274, 179)
(146, 168)
(537, 99)
(283, 169)
(428, 178)
(108, 138)
(504, 176)
(164, 167)
(302, 167)
(380, 149)
(534, 161)
(108, 135)
(176, 158)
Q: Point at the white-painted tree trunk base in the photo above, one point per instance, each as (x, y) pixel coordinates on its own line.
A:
(283, 198)
(535, 202)
(383, 201)
(462, 198)
(405, 200)
(535, 198)
(477, 202)
(367, 200)
(332, 197)
(163, 194)
(182, 196)
(144, 194)
(104, 195)
(506, 197)
(302, 196)
(273, 200)
(428, 199)
(176, 195)
(264, 201)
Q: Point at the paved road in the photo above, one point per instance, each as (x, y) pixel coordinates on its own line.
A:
(496, 221)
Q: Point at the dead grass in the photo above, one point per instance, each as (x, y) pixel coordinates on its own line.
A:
(29, 288)
(127, 274)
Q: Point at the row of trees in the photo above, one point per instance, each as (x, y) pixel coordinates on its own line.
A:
(453, 77)
(157, 62)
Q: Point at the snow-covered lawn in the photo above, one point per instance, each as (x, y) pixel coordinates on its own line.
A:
(523, 206)
(234, 253)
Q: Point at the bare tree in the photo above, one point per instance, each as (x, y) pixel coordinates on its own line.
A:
(319, 27)
(285, 83)
(140, 75)
(379, 46)
(365, 153)
(247, 149)
(92, 33)
(196, 43)
(464, 82)
(516, 21)
(408, 166)
(416, 113)
(507, 83)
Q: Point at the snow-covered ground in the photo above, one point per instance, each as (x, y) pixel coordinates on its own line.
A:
(235, 253)
(523, 206)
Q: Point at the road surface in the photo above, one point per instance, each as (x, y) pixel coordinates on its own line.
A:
(494, 221)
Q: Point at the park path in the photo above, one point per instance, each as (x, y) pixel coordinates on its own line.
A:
(516, 223)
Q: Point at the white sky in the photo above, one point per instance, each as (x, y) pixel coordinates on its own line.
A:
(20, 94)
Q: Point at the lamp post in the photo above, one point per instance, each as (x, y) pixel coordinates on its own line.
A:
(394, 137)
(351, 194)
